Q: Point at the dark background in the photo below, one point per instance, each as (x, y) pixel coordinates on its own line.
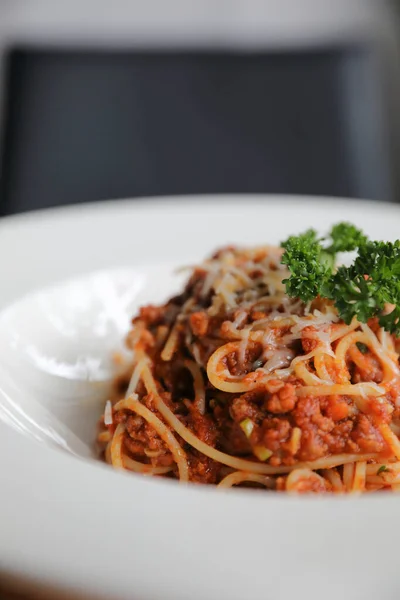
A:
(84, 126)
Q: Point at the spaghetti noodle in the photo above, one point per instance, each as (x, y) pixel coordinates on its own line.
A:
(234, 383)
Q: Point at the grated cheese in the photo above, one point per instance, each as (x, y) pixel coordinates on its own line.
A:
(108, 416)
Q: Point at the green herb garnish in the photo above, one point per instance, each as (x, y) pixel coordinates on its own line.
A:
(362, 347)
(382, 469)
(362, 290)
(345, 238)
(309, 267)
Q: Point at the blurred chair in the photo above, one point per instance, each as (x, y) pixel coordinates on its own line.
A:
(136, 99)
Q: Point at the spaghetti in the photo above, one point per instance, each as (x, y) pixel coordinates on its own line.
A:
(234, 383)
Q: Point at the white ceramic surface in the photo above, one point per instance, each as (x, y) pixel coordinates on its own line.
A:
(63, 339)
(73, 522)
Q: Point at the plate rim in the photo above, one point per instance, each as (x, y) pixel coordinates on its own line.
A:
(21, 494)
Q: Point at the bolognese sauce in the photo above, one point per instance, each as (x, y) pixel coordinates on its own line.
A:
(234, 383)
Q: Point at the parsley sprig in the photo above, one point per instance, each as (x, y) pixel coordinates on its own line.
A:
(362, 290)
(307, 264)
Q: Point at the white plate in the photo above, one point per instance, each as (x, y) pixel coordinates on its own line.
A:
(72, 522)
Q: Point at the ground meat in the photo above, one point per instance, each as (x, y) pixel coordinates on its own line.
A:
(373, 324)
(152, 315)
(199, 323)
(393, 396)
(275, 432)
(203, 469)
(325, 425)
(336, 408)
(322, 435)
(134, 424)
(283, 400)
(134, 447)
(308, 411)
(304, 481)
(120, 417)
(366, 436)
(253, 352)
(142, 436)
(381, 409)
(281, 484)
(312, 445)
(203, 427)
(366, 366)
(246, 406)
(257, 315)
(312, 486)
(308, 341)
(338, 438)
(314, 426)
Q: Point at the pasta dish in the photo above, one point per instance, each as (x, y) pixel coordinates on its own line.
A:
(273, 368)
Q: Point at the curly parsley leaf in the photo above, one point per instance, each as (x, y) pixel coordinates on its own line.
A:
(370, 287)
(308, 270)
(350, 292)
(375, 280)
(345, 238)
